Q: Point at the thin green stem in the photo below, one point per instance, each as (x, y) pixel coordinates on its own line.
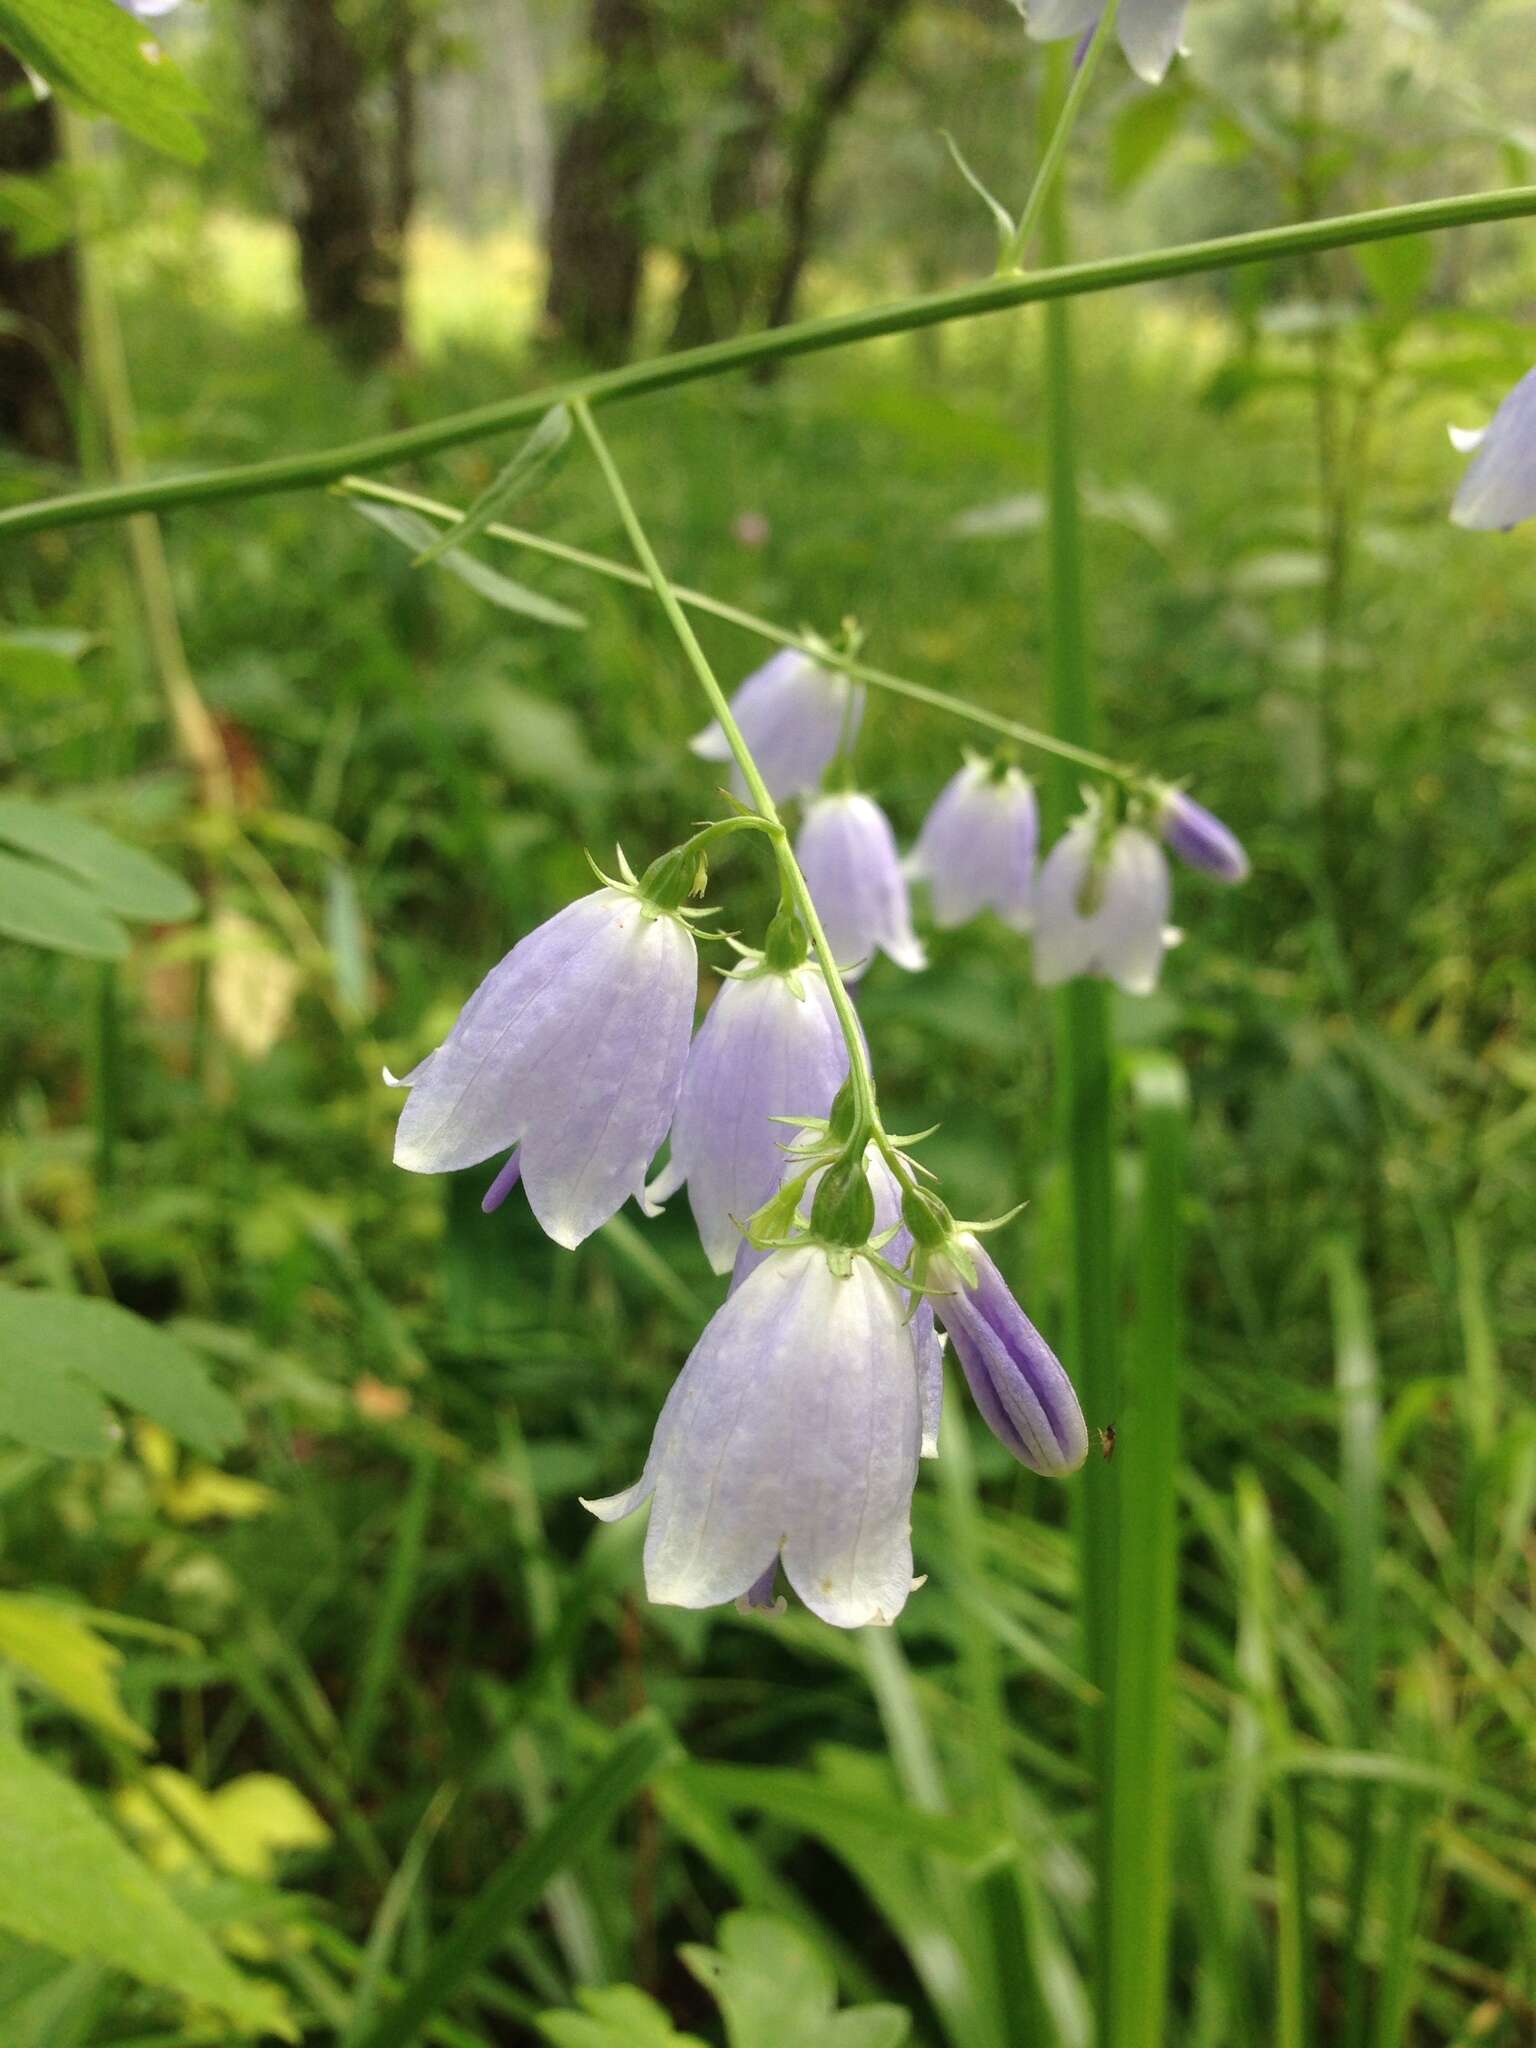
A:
(765, 629)
(1056, 149)
(744, 352)
(794, 882)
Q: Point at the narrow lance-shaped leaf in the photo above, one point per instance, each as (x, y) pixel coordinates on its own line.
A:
(416, 533)
(538, 453)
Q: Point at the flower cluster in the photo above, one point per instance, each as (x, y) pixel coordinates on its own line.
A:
(793, 1433)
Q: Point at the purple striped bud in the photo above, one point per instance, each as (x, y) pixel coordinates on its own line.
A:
(1016, 1379)
(795, 716)
(847, 853)
(1499, 488)
(1199, 837)
(977, 848)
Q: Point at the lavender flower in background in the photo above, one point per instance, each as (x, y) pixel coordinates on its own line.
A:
(147, 10)
(1102, 910)
(769, 1047)
(572, 1050)
(1199, 837)
(1151, 32)
(1499, 488)
(795, 716)
(977, 848)
(792, 1432)
(927, 1343)
(1015, 1378)
(847, 853)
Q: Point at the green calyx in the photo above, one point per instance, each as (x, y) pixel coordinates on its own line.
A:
(785, 948)
(927, 1218)
(673, 877)
(843, 1212)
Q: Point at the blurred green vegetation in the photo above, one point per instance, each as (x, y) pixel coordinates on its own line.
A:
(388, 1598)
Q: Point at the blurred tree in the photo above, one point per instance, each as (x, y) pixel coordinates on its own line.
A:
(39, 301)
(596, 217)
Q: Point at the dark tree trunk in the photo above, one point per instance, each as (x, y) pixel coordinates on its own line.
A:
(729, 266)
(868, 25)
(314, 81)
(596, 224)
(39, 295)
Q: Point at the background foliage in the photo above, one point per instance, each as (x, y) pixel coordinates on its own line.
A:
(319, 1693)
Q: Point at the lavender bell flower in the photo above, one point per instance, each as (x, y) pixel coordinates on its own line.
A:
(1017, 1381)
(147, 10)
(1102, 911)
(1199, 837)
(796, 716)
(793, 1433)
(572, 1049)
(769, 1047)
(1151, 32)
(1499, 488)
(977, 848)
(927, 1342)
(847, 853)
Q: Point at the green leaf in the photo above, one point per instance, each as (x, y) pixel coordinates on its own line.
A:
(618, 2016)
(418, 534)
(29, 662)
(1141, 134)
(773, 1986)
(128, 881)
(55, 1649)
(69, 1883)
(102, 60)
(527, 468)
(61, 1353)
(1398, 272)
(47, 909)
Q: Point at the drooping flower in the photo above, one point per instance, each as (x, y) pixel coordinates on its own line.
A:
(847, 853)
(1499, 488)
(977, 848)
(572, 1050)
(769, 1047)
(795, 716)
(1102, 908)
(792, 1433)
(1015, 1378)
(147, 10)
(1199, 837)
(927, 1343)
(1151, 32)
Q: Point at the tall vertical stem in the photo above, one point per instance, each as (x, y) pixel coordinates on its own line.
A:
(1084, 1054)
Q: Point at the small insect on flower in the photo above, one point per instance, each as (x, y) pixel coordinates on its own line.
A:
(769, 1047)
(1151, 32)
(572, 1050)
(977, 848)
(791, 1435)
(795, 717)
(1199, 837)
(1499, 488)
(847, 853)
(1101, 907)
(1107, 1441)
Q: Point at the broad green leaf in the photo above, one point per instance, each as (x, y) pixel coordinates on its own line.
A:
(47, 909)
(69, 1883)
(104, 61)
(132, 883)
(773, 1986)
(1140, 135)
(56, 1650)
(418, 534)
(29, 662)
(243, 1827)
(617, 2016)
(526, 469)
(62, 1352)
